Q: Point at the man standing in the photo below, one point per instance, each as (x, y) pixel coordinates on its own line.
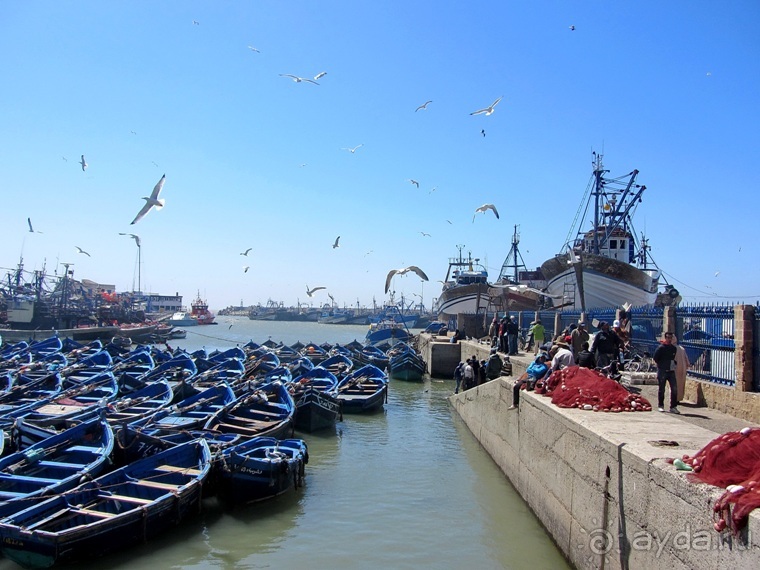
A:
(606, 346)
(493, 368)
(577, 338)
(538, 332)
(665, 357)
(468, 375)
(458, 371)
(512, 331)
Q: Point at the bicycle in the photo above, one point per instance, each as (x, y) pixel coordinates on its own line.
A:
(638, 361)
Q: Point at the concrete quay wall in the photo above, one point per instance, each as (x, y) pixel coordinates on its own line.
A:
(600, 484)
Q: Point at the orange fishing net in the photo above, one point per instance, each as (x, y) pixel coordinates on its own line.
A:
(732, 461)
(577, 387)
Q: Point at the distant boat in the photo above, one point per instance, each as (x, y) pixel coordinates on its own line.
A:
(200, 312)
(182, 319)
(608, 265)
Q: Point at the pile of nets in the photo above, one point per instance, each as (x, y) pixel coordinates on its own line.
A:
(576, 387)
(731, 461)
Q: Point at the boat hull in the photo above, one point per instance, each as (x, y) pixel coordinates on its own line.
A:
(606, 282)
(462, 299)
(316, 410)
(78, 334)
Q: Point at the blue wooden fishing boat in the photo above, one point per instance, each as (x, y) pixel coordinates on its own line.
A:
(125, 507)
(140, 403)
(259, 469)
(316, 396)
(268, 410)
(371, 355)
(363, 390)
(314, 352)
(405, 363)
(300, 365)
(76, 402)
(259, 364)
(338, 364)
(192, 412)
(54, 465)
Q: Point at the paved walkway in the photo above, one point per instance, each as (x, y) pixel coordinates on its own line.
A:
(706, 418)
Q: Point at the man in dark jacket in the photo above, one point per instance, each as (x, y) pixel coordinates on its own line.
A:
(665, 357)
(585, 358)
(606, 346)
(512, 331)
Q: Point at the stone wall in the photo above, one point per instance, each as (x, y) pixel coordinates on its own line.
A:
(600, 484)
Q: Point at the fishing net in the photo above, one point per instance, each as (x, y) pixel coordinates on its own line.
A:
(578, 387)
(731, 461)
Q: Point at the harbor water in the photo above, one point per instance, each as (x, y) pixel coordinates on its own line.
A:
(408, 487)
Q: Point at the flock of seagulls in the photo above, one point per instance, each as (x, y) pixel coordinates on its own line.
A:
(152, 201)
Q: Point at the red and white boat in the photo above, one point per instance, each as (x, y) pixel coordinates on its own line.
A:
(199, 311)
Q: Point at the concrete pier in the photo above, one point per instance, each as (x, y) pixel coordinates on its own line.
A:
(598, 481)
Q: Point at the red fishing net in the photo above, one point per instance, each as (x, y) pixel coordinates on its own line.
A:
(577, 387)
(732, 461)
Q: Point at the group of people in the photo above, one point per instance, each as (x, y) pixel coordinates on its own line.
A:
(504, 334)
(473, 372)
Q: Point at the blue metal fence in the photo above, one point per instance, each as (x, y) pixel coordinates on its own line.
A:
(707, 334)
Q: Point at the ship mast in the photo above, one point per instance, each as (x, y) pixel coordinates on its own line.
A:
(511, 262)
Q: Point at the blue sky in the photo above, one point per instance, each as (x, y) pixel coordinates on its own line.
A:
(253, 159)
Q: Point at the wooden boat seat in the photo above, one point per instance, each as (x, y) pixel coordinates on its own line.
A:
(92, 512)
(30, 479)
(87, 448)
(125, 498)
(75, 466)
(157, 485)
(175, 469)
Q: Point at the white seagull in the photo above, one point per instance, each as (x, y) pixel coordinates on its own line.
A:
(310, 292)
(393, 272)
(82, 251)
(31, 229)
(320, 75)
(353, 150)
(488, 110)
(425, 234)
(417, 184)
(423, 106)
(298, 79)
(83, 162)
(246, 251)
(152, 200)
(337, 239)
(253, 49)
(484, 208)
(133, 236)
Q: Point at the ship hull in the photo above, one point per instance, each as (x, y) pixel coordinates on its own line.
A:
(462, 299)
(605, 282)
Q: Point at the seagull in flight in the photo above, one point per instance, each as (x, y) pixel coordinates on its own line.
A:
(337, 239)
(246, 251)
(417, 184)
(253, 49)
(31, 229)
(82, 251)
(133, 236)
(310, 292)
(572, 28)
(423, 106)
(83, 162)
(484, 208)
(196, 23)
(425, 234)
(353, 150)
(133, 132)
(298, 79)
(320, 75)
(393, 272)
(65, 159)
(488, 110)
(152, 200)
(483, 132)
(246, 268)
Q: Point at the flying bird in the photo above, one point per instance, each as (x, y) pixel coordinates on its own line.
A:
(133, 236)
(433, 189)
(246, 251)
(488, 110)
(253, 49)
(320, 75)
(151, 201)
(417, 184)
(82, 251)
(310, 292)
(246, 268)
(483, 132)
(83, 162)
(64, 158)
(337, 239)
(353, 150)
(196, 23)
(424, 234)
(31, 229)
(423, 106)
(572, 28)
(393, 272)
(449, 221)
(484, 208)
(133, 132)
(298, 79)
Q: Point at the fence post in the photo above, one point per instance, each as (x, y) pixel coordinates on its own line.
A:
(557, 323)
(744, 316)
(668, 320)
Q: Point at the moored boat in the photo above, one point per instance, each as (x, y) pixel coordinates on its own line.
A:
(363, 390)
(606, 266)
(316, 398)
(465, 288)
